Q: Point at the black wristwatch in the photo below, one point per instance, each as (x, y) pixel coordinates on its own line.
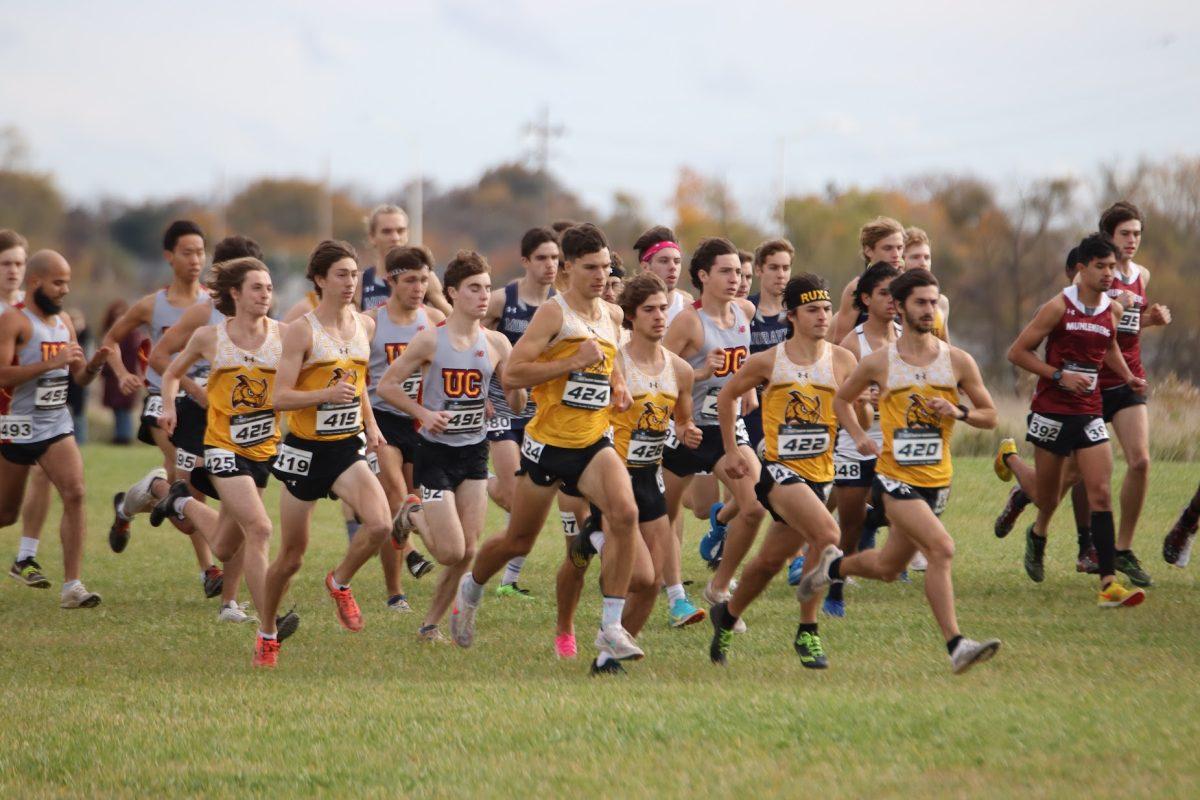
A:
(965, 411)
(1057, 376)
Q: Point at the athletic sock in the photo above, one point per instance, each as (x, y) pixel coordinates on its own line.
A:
(611, 613)
(1020, 499)
(268, 636)
(953, 643)
(1084, 536)
(472, 590)
(341, 587)
(597, 540)
(1104, 538)
(512, 570)
(603, 658)
(835, 569)
(352, 527)
(727, 620)
(69, 585)
(28, 548)
(179, 505)
(570, 525)
(675, 592)
(807, 627)
(836, 591)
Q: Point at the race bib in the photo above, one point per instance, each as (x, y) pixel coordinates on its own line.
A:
(1096, 431)
(847, 470)
(740, 433)
(185, 461)
(917, 447)
(218, 461)
(781, 474)
(658, 479)
(1044, 429)
(154, 406)
(587, 390)
(466, 417)
(532, 449)
(338, 418)
(499, 424)
(1130, 322)
(253, 428)
(412, 385)
(708, 407)
(802, 441)
(645, 448)
(1090, 371)
(672, 442)
(373, 461)
(16, 428)
(51, 393)
(432, 495)
(293, 460)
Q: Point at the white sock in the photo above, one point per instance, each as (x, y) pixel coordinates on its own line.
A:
(675, 592)
(570, 525)
(603, 658)
(270, 636)
(613, 608)
(28, 548)
(337, 585)
(69, 585)
(512, 570)
(180, 505)
(472, 590)
(597, 540)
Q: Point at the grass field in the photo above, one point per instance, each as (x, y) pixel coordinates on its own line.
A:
(149, 696)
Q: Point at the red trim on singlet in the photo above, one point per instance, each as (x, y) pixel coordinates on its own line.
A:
(1130, 343)
(1079, 339)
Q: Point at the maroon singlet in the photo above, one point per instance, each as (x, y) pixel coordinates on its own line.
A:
(1078, 343)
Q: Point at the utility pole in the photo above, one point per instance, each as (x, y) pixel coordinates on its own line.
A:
(542, 133)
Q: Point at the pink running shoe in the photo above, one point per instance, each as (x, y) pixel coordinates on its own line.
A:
(564, 645)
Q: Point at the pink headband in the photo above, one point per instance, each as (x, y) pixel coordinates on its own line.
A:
(654, 248)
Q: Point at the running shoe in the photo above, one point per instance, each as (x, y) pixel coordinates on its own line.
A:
(610, 667)
(29, 572)
(139, 498)
(833, 608)
(808, 647)
(286, 625)
(1013, 506)
(166, 506)
(399, 604)
(402, 524)
(431, 634)
(118, 532)
(234, 612)
(713, 542)
(722, 638)
(579, 547)
(564, 646)
(513, 590)
(969, 652)
(1115, 596)
(1088, 562)
(1035, 554)
(795, 570)
(818, 579)
(682, 613)
(347, 610)
(462, 617)
(418, 565)
(1177, 541)
(1007, 447)
(712, 597)
(617, 641)
(213, 581)
(919, 562)
(266, 652)
(78, 597)
(1128, 563)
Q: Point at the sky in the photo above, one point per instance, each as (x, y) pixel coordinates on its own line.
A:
(140, 99)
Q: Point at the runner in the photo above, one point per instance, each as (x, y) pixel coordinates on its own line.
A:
(456, 362)
(919, 378)
(568, 355)
(658, 251)
(183, 249)
(918, 254)
(39, 343)
(387, 227)
(616, 279)
(854, 473)
(1079, 328)
(1177, 545)
(746, 276)
(881, 239)
(769, 325)
(799, 378)
(660, 383)
(402, 316)
(321, 382)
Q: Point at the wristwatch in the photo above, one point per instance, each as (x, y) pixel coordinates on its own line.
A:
(1057, 376)
(965, 411)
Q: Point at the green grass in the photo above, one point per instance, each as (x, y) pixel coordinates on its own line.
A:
(149, 696)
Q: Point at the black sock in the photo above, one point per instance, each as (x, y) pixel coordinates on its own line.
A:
(1036, 535)
(1020, 499)
(835, 569)
(835, 592)
(1084, 535)
(1122, 552)
(953, 643)
(1104, 538)
(807, 627)
(726, 620)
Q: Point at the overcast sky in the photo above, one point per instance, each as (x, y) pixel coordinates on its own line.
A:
(159, 99)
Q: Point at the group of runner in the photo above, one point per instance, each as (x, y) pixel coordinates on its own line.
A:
(616, 394)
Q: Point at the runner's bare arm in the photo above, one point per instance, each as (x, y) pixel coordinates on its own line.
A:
(435, 296)
(523, 371)
(297, 340)
(1023, 352)
(14, 331)
(685, 427)
(202, 345)
(755, 371)
(843, 319)
(173, 341)
(299, 310)
(495, 309)
(84, 370)
(414, 358)
(871, 369)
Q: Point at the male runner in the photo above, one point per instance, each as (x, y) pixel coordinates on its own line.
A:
(799, 378)
(918, 254)
(456, 362)
(659, 252)
(746, 275)
(616, 279)
(881, 239)
(39, 350)
(568, 355)
(919, 378)
(387, 227)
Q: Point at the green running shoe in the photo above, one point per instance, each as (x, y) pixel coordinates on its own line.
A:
(808, 647)
(513, 590)
(1128, 563)
(1035, 552)
(29, 572)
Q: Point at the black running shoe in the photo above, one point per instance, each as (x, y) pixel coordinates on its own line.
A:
(1128, 563)
(610, 667)
(214, 581)
(1017, 500)
(118, 534)
(580, 549)
(286, 625)
(166, 506)
(1035, 553)
(722, 639)
(808, 647)
(418, 565)
(1177, 539)
(29, 572)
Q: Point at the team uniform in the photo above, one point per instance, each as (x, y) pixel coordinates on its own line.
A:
(571, 422)
(506, 424)
(375, 292)
(1115, 393)
(37, 415)
(162, 317)
(191, 419)
(241, 433)
(798, 426)
(765, 333)
(915, 460)
(455, 382)
(390, 340)
(1062, 421)
(323, 441)
(850, 467)
(734, 341)
(679, 301)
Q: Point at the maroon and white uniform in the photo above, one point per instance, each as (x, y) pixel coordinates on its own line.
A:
(1129, 329)
(1078, 343)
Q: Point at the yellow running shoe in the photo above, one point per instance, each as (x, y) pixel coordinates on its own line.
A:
(1115, 595)
(1008, 447)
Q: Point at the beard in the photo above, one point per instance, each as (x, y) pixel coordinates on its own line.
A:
(918, 324)
(45, 304)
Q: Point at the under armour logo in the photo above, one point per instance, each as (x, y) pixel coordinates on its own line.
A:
(922, 377)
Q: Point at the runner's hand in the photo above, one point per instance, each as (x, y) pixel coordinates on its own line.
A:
(340, 392)
(167, 421)
(713, 362)
(129, 383)
(691, 436)
(867, 446)
(735, 464)
(589, 353)
(1158, 314)
(434, 421)
(71, 353)
(1076, 382)
(1138, 385)
(943, 407)
(374, 438)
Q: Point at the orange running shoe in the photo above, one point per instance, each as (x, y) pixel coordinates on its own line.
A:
(347, 610)
(266, 652)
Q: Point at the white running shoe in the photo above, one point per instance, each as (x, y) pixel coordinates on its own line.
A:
(619, 644)
(970, 652)
(819, 578)
(462, 617)
(79, 597)
(138, 498)
(235, 612)
(713, 597)
(919, 563)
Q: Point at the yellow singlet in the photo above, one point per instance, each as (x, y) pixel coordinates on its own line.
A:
(939, 326)
(797, 413)
(332, 360)
(241, 414)
(916, 439)
(640, 432)
(572, 410)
